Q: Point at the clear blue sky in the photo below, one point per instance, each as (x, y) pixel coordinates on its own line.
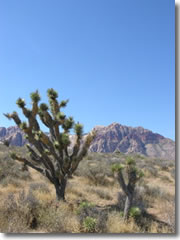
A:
(114, 59)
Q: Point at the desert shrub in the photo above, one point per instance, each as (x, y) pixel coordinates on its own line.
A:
(157, 192)
(9, 180)
(134, 212)
(96, 172)
(10, 172)
(88, 210)
(84, 206)
(89, 224)
(19, 214)
(102, 193)
(171, 164)
(51, 219)
(97, 178)
(57, 217)
(164, 167)
(116, 224)
(151, 171)
(169, 214)
(165, 179)
(138, 156)
(42, 187)
(25, 213)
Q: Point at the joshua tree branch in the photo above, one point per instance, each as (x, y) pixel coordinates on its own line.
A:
(122, 182)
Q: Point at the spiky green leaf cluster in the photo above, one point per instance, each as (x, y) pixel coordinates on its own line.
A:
(134, 212)
(63, 103)
(20, 102)
(117, 167)
(23, 125)
(56, 144)
(64, 139)
(46, 151)
(60, 116)
(37, 134)
(68, 124)
(35, 97)
(130, 161)
(43, 107)
(140, 173)
(78, 128)
(52, 94)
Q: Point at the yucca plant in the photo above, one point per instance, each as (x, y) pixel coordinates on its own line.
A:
(49, 153)
(133, 175)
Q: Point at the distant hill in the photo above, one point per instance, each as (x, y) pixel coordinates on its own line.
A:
(13, 134)
(117, 137)
(113, 138)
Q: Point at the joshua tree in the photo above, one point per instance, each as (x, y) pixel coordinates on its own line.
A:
(133, 175)
(49, 153)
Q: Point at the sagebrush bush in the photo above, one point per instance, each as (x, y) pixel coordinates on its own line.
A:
(116, 224)
(18, 215)
(157, 192)
(89, 224)
(104, 194)
(10, 172)
(87, 210)
(42, 187)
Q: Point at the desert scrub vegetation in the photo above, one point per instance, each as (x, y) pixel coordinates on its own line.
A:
(10, 171)
(49, 154)
(90, 207)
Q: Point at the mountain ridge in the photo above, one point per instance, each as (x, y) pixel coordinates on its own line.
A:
(112, 138)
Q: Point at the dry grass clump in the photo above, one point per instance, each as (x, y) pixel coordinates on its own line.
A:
(116, 224)
(26, 213)
(97, 172)
(39, 187)
(155, 228)
(58, 217)
(11, 173)
(156, 192)
(18, 213)
(102, 193)
(167, 212)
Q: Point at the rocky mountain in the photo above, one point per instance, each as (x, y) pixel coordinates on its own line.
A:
(13, 134)
(114, 137)
(117, 137)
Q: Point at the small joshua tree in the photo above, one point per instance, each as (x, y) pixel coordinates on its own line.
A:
(49, 154)
(133, 175)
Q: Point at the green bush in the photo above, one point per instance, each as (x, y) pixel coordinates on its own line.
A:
(134, 212)
(89, 224)
(84, 205)
(10, 171)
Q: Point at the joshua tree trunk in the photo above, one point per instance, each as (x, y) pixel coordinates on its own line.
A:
(127, 206)
(60, 189)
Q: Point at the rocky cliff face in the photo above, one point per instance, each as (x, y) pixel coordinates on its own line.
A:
(13, 134)
(117, 137)
(114, 137)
